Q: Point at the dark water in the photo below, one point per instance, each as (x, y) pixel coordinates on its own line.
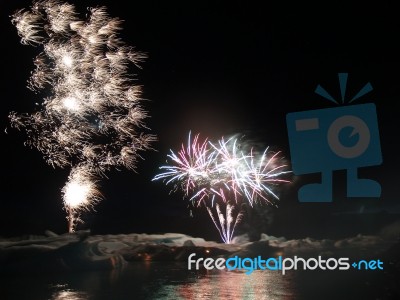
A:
(173, 281)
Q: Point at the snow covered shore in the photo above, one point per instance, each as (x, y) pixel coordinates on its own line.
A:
(83, 251)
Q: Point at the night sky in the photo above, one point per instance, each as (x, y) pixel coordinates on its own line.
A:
(217, 68)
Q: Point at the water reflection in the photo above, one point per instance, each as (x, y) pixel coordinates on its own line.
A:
(165, 280)
(232, 285)
(69, 295)
(175, 282)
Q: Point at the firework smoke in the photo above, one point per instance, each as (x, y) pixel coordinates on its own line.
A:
(92, 117)
(225, 174)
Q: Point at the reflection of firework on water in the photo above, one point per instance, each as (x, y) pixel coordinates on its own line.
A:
(223, 173)
(92, 116)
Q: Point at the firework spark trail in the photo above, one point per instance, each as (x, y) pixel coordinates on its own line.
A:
(216, 224)
(228, 164)
(238, 219)
(222, 222)
(192, 169)
(92, 116)
(259, 175)
(79, 194)
(225, 224)
(229, 220)
(212, 173)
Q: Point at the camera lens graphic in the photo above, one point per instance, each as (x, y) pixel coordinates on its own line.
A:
(359, 127)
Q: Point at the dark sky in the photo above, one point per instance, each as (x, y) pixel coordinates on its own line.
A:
(218, 68)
